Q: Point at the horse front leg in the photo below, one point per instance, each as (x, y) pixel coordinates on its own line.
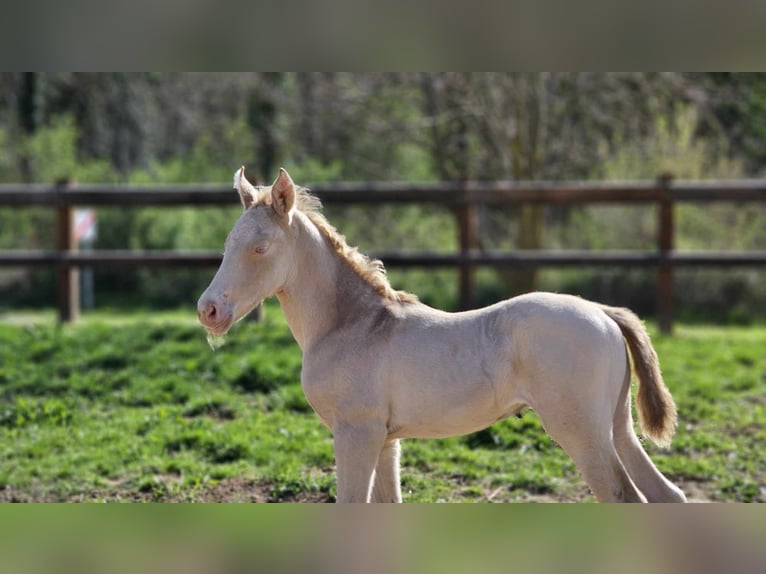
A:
(357, 448)
(387, 486)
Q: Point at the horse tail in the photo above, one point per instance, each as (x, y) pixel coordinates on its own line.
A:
(656, 408)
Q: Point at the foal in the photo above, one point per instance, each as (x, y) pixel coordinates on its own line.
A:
(379, 366)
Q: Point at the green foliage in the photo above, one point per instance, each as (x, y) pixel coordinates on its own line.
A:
(212, 159)
(137, 407)
(738, 105)
(52, 155)
(672, 148)
(7, 156)
(147, 129)
(24, 411)
(313, 171)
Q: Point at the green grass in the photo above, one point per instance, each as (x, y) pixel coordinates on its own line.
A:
(139, 408)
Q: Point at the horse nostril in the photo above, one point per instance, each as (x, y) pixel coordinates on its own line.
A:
(207, 312)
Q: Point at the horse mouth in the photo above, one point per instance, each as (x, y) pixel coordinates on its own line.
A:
(218, 324)
(217, 331)
(220, 327)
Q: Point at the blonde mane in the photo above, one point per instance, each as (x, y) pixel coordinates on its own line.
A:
(371, 271)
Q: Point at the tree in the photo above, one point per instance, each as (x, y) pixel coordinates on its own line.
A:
(534, 126)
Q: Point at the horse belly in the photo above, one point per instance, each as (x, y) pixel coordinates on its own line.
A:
(449, 402)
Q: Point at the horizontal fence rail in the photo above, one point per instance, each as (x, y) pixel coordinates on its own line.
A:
(450, 193)
(461, 197)
(105, 259)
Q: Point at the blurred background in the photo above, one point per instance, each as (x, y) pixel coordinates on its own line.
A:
(171, 128)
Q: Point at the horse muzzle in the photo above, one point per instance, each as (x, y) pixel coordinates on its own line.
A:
(216, 317)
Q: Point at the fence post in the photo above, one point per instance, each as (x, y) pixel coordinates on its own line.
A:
(468, 240)
(67, 277)
(665, 245)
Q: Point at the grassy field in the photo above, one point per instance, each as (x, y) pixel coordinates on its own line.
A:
(139, 408)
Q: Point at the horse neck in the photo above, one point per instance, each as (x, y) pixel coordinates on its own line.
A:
(322, 292)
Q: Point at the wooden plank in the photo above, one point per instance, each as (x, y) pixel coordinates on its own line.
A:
(27, 195)
(117, 196)
(111, 259)
(449, 193)
(665, 245)
(23, 258)
(67, 277)
(563, 194)
(718, 259)
(646, 259)
(541, 258)
(467, 241)
(120, 259)
(531, 258)
(745, 190)
(338, 193)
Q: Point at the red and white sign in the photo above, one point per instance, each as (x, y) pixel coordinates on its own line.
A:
(85, 224)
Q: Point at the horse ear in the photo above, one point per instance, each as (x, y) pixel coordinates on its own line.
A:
(247, 193)
(283, 195)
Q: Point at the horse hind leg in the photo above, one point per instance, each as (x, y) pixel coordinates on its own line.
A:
(640, 467)
(588, 441)
(602, 470)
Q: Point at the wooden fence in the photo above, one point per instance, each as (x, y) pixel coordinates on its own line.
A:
(463, 198)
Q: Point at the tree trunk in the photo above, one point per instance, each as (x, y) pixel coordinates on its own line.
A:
(262, 119)
(30, 115)
(525, 159)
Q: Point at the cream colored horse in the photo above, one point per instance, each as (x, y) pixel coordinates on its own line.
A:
(379, 366)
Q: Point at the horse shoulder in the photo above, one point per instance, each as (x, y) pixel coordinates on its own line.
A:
(343, 371)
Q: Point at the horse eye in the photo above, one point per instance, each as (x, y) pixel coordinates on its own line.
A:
(260, 249)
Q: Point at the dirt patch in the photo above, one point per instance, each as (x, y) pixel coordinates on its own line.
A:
(696, 490)
(229, 490)
(248, 490)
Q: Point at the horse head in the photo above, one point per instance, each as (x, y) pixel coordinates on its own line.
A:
(256, 259)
